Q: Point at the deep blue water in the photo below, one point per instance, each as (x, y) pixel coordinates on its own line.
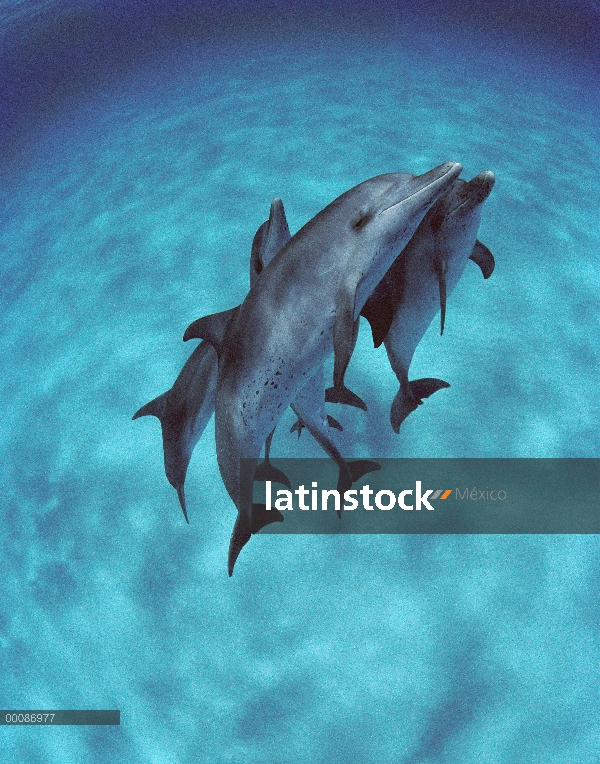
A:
(140, 149)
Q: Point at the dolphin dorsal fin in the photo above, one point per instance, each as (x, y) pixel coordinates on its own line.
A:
(484, 259)
(211, 328)
(271, 236)
(256, 261)
(155, 408)
(277, 233)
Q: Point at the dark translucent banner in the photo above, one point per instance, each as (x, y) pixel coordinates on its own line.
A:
(436, 496)
(59, 718)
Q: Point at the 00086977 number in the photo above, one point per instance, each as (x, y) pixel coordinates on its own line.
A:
(29, 718)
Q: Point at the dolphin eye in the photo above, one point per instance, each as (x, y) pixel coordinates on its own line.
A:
(361, 220)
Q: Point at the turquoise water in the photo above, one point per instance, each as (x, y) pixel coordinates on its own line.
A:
(130, 196)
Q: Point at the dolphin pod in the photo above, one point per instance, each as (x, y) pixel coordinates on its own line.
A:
(391, 249)
(304, 306)
(185, 409)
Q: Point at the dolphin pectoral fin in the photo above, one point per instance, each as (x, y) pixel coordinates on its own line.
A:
(344, 395)
(442, 303)
(155, 408)
(181, 495)
(297, 427)
(261, 516)
(484, 259)
(334, 423)
(210, 328)
(410, 397)
(345, 334)
(239, 538)
(266, 471)
(441, 267)
(379, 312)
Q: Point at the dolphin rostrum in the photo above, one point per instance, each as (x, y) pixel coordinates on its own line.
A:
(420, 279)
(304, 306)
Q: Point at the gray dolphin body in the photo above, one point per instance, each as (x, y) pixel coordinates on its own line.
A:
(185, 409)
(304, 306)
(309, 404)
(417, 284)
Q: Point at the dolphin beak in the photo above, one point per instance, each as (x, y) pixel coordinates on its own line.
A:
(475, 192)
(451, 169)
(428, 186)
(481, 186)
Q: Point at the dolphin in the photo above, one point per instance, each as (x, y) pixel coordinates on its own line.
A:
(418, 282)
(309, 404)
(304, 306)
(185, 409)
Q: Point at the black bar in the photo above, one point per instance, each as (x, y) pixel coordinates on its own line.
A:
(54, 718)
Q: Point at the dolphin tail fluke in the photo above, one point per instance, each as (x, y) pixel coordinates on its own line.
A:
(334, 423)
(423, 388)
(410, 396)
(343, 395)
(210, 328)
(484, 259)
(402, 405)
(155, 408)
(262, 516)
(266, 471)
(181, 495)
(239, 538)
(362, 467)
(297, 427)
(350, 472)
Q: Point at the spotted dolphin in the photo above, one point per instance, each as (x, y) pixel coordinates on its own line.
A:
(304, 306)
(309, 404)
(185, 409)
(416, 286)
